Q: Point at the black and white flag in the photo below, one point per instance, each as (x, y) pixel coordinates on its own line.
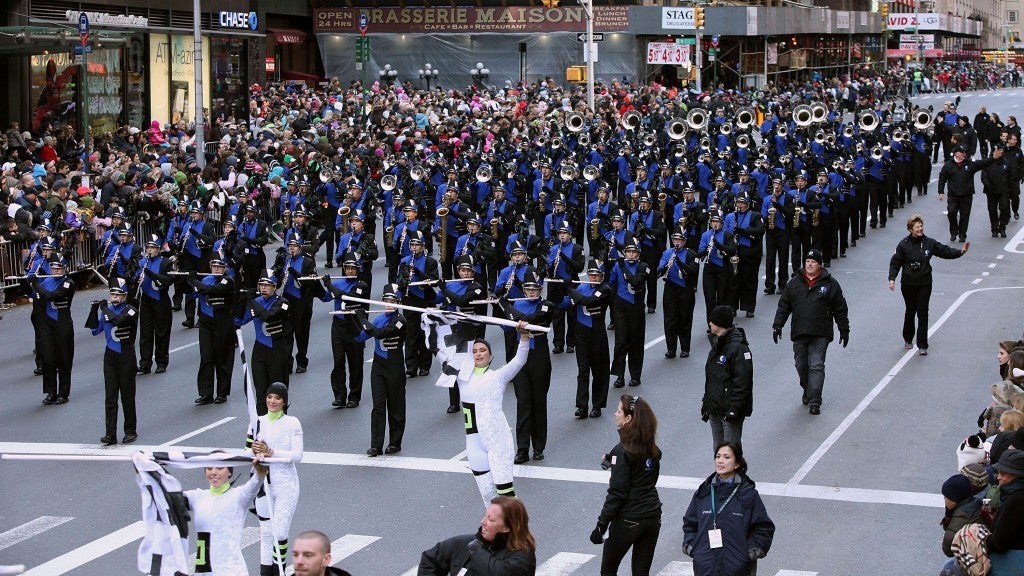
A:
(449, 340)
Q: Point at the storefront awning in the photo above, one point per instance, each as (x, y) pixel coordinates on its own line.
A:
(287, 35)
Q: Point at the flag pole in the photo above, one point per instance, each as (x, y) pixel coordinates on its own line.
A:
(439, 312)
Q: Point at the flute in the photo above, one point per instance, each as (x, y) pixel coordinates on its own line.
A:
(180, 273)
(337, 312)
(495, 300)
(424, 282)
(26, 277)
(318, 278)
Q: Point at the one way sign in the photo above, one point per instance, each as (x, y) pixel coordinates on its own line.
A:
(582, 37)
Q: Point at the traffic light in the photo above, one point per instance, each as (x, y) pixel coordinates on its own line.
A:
(698, 17)
(885, 11)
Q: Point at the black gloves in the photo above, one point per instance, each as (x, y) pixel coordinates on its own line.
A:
(754, 554)
(704, 416)
(844, 338)
(688, 550)
(326, 279)
(776, 334)
(732, 416)
(597, 536)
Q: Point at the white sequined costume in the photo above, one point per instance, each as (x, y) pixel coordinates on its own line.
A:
(218, 520)
(489, 444)
(284, 437)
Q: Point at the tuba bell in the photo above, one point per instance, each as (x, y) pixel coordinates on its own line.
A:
(868, 121)
(326, 175)
(745, 117)
(631, 120)
(696, 119)
(591, 172)
(388, 182)
(819, 112)
(483, 174)
(922, 119)
(417, 173)
(802, 115)
(574, 122)
(676, 129)
(567, 172)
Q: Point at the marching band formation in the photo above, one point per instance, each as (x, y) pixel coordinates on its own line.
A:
(569, 221)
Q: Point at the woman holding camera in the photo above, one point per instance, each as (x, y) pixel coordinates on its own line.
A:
(913, 257)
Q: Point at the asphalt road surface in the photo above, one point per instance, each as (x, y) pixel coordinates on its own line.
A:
(852, 491)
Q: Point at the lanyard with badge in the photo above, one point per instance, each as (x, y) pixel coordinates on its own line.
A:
(715, 534)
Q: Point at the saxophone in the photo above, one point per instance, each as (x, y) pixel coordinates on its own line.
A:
(796, 215)
(495, 220)
(735, 258)
(389, 232)
(594, 233)
(772, 211)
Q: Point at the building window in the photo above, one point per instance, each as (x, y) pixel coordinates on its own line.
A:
(1011, 16)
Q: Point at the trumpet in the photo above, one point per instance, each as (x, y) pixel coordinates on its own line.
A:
(877, 153)
(819, 137)
(782, 130)
(556, 143)
(742, 141)
(679, 150)
(584, 140)
(848, 131)
(725, 129)
(649, 140)
(830, 139)
(676, 129)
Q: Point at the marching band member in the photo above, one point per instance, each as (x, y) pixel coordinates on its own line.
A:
(747, 229)
(679, 268)
(346, 347)
(56, 344)
(564, 262)
(777, 213)
(387, 374)
(717, 246)
(629, 281)
(459, 296)
(591, 300)
(416, 268)
(271, 318)
(648, 228)
(290, 267)
(116, 319)
(216, 295)
(361, 243)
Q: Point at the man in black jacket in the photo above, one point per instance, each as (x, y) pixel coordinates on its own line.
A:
(995, 181)
(958, 173)
(814, 298)
(311, 555)
(728, 379)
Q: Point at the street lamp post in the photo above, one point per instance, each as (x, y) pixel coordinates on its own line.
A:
(479, 74)
(428, 72)
(588, 11)
(388, 74)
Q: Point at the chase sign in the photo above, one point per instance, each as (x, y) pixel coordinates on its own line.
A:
(238, 20)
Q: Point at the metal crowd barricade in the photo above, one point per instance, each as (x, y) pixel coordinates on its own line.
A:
(78, 245)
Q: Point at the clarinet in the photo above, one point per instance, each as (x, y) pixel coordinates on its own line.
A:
(287, 272)
(142, 277)
(511, 279)
(185, 237)
(558, 260)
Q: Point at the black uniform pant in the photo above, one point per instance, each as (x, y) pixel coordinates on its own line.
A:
(119, 379)
(387, 386)
(717, 285)
(592, 359)
(916, 300)
(302, 316)
(776, 268)
(269, 365)
(998, 211)
(922, 170)
(186, 263)
(252, 267)
(878, 201)
(556, 293)
(630, 335)
(36, 318)
(842, 216)
(327, 239)
(745, 283)
(651, 256)
(679, 304)
(57, 349)
(860, 220)
(826, 241)
(958, 211)
(346, 351)
(641, 534)
(903, 175)
(154, 330)
(417, 357)
(216, 353)
(531, 385)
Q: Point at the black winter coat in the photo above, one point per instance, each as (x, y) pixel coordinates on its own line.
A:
(729, 376)
(913, 257)
(744, 523)
(960, 177)
(814, 308)
(448, 557)
(632, 488)
(995, 178)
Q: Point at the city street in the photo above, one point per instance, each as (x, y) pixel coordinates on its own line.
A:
(852, 491)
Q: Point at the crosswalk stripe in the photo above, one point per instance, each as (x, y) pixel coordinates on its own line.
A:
(344, 547)
(677, 568)
(562, 564)
(411, 572)
(90, 551)
(795, 573)
(30, 529)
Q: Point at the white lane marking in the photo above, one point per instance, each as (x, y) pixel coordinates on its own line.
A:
(1013, 245)
(458, 456)
(1000, 257)
(173, 350)
(852, 416)
(654, 342)
(197, 432)
(30, 529)
(795, 573)
(984, 273)
(563, 564)
(976, 281)
(992, 265)
(343, 547)
(104, 545)
(412, 571)
(677, 568)
(787, 490)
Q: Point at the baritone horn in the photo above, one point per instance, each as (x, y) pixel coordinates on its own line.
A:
(574, 122)
(696, 119)
(326, 175)
(802, 115)
(584, 140)
(631, 120)
(388, 182)
(922, 119)
(567, 172)
(745, 117)
(591, 172)
(868, 121)
(418, 173)
(483, 174)
(676, 129)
